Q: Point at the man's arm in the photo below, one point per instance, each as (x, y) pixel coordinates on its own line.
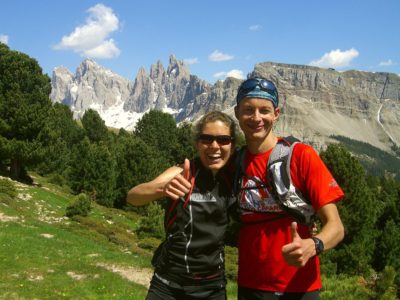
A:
(171, 183)
(299, 251)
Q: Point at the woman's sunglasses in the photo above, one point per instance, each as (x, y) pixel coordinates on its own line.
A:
(209, 139)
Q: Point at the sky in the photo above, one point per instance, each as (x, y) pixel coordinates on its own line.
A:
(215, 38)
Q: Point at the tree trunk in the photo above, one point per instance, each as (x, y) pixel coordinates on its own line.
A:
(15, 169)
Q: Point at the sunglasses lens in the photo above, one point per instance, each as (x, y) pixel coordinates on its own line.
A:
(267, 85)
(224, 139)
(209, 139)
(248, 85)
(206, 139)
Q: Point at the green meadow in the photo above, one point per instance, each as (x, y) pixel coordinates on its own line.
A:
(45, 255)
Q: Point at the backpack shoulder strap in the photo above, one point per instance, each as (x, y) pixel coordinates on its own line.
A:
(282, 152)
(240, 154)
(284, 192)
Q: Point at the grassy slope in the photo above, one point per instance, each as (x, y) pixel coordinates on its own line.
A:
(44, 255)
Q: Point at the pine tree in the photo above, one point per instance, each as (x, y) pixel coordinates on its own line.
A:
(93, 171)
(387, 252)
(94, 126)
(58, 135)
(24, 104)
(137, 163)
(358, 211)
(158, 130)
(185, 146)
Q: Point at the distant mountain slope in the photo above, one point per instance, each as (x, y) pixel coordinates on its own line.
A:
(316, 102)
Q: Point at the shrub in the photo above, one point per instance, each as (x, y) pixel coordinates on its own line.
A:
(152, 224)
(344, 287)
(57, 179)
(7, 190)
(149, 243)
(81, 206)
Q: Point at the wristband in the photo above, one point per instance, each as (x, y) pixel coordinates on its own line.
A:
(319, 245)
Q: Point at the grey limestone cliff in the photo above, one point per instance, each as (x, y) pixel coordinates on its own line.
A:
(315, 102)
(320, 102)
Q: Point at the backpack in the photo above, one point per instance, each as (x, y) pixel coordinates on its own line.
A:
(288, 197)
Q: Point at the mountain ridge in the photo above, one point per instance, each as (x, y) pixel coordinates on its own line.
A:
(316, 102)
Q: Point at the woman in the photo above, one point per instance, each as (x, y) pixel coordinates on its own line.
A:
(189, 264)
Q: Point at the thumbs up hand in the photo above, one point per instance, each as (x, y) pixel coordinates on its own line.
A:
(298, 252)
(179, 185)
(186, 169)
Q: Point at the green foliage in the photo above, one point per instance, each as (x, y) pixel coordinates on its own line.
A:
(184, 147)
(152, 223)
(81, 206)
(137, 162)
(376, 161)
(149, 243)
(342, 287)
(159, 131)
(388, 248)
(93, 170)
(240, 140)
(57, 179)
(24, 105)
(385, 287)
(59, 133)
(94, 126)
(358, 210)
(7, 191)
(231, 262)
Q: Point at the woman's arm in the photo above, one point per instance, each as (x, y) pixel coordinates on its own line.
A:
(171, 183)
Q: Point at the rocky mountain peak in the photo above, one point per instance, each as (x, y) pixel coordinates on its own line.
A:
(177, 69)
(316, 103)
(92, 86)
(157, 72)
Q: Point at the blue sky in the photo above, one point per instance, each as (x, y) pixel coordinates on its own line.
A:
(215, 38)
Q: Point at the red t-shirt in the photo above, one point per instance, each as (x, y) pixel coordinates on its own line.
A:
(264, 231)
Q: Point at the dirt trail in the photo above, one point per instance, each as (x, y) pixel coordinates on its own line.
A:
(137, 275)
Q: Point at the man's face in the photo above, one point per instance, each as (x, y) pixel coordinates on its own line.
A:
(256, 117)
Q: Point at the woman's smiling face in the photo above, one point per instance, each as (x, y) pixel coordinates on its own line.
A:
(213, 154)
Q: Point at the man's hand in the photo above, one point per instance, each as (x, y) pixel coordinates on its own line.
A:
(298, 252)
(179, 186)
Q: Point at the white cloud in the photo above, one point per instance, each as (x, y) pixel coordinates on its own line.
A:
(92, 38)
(4, 38)
(105, 50)
(255, 27)
(219, 56)
(232, 73)
(336, 58)
(387, 63)
(191, 61)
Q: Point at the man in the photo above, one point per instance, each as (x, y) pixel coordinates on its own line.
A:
(278, 258)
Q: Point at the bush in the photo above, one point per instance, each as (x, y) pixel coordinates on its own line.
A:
(57, 179)
(342, 287)
(8, 190)
(152, 224)
(81, 206)
(149, 243)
